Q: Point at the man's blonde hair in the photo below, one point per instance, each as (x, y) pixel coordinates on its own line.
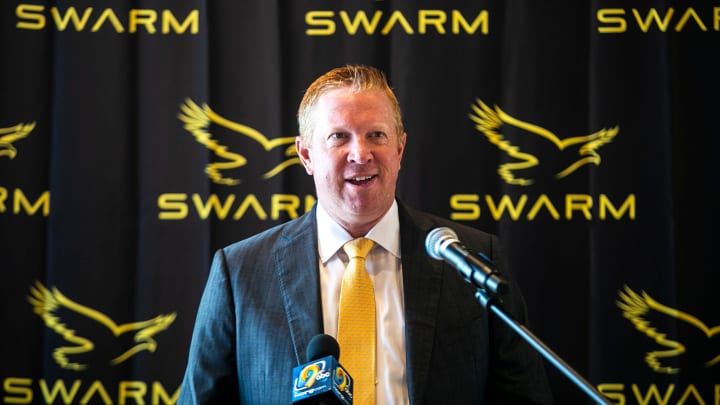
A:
(357, 77)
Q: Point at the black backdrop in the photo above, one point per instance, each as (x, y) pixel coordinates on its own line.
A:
(111, 112)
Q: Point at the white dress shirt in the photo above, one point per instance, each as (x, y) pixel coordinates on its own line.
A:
(384, 266)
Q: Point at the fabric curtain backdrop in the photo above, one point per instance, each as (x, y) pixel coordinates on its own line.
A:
(136, 138)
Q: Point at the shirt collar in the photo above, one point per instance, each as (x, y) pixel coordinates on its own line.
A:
(332, 236)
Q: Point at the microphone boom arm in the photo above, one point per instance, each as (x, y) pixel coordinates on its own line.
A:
(442, 244)
(537, 344)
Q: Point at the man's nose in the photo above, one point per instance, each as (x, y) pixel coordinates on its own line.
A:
(360, 150)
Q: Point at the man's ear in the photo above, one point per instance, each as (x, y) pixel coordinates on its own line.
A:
(304, 153)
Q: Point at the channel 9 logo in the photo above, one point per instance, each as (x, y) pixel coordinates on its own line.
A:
(322, 377)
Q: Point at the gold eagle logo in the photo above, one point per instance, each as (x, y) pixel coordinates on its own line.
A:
(198, 120)
(11, 134)
(700, 347)
(49, 303)
(569, 154)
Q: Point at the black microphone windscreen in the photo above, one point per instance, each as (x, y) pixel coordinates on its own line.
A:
(321, 346)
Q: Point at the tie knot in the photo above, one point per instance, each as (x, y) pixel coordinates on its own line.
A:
(359, 247)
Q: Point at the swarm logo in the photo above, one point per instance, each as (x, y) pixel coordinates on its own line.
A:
(564, 156)
(11, 134)
(73, 322)
(700, 348)
(198, 122)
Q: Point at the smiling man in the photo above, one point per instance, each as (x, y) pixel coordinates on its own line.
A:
(429, 341)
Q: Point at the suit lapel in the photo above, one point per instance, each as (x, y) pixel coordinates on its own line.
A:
(297, 269)
(422, 278)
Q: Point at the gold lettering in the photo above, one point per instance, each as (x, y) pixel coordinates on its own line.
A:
(322, 22)
(652, 395)
(435, 18)
(3, 198)
(20, 201)
(284, 202)
(158, 393)
(21, 204)
(32, 17)
(31, 12)
(606, 205)
(309, 202)
(192, 22)
(652, 392)
(578, 202)
(172, 206)
(131, 389)
(109, 15)
(250, 201)
(59, 387)
(360, 18)
(610, 16)
(496, 210)
(690, 12)
(543, 202)
(653, 15)
(397, 16)
(213, 203)
(321, 19)
(613, 392)
(142, 17)
(481, 20)
(70, 15)
(691, 391)
(612, 20)
(467, 205)
(20, 391)
(20, 387)
(96, 386)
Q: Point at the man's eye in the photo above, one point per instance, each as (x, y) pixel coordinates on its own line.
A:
(378, 137)
(337, 135)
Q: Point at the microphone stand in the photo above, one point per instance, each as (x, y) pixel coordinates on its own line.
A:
(489, 303)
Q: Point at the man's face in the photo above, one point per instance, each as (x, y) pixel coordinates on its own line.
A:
(354, 156)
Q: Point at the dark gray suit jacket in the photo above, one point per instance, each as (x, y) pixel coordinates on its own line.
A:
(261, 307)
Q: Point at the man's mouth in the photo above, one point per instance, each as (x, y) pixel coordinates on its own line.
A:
(360, 179)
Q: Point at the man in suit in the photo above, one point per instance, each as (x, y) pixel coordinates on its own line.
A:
(268, 295)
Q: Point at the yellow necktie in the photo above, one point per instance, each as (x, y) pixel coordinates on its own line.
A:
(356, 322)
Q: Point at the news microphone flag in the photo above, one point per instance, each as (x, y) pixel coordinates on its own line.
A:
(322, 380)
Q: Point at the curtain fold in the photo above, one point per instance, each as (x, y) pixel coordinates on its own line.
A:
(137, 139)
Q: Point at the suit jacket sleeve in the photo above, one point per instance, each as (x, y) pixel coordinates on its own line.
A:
(211, 373)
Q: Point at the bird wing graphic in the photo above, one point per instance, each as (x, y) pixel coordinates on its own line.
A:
(46, 302)
(490, 121)
(11, 134)
(588, 149)
(637, 307)
(197, 121)
(144, 336)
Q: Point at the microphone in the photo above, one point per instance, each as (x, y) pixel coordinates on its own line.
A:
(443, 244)
(322, 380)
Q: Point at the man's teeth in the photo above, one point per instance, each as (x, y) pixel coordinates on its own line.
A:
(361, 178)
